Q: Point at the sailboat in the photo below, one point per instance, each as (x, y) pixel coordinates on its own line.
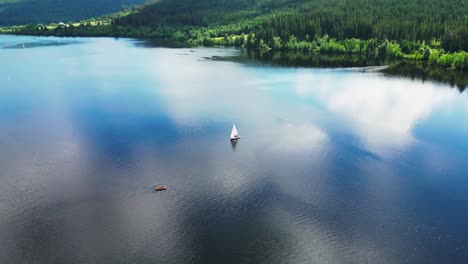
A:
(234, 133)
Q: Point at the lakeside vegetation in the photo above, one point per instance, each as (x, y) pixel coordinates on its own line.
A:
(432, 31)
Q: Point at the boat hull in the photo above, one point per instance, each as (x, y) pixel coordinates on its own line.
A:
(159, 188)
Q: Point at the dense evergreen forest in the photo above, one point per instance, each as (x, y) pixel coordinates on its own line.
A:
(431, 30)
(340, 19)
(19, 12)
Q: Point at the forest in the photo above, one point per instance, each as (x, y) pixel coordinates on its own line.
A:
(432, 30)
(20, 12)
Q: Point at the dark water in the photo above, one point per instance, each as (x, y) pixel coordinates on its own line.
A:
(399, 68)
(334, 165)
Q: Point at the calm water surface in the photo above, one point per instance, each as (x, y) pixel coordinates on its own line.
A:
(334, 165)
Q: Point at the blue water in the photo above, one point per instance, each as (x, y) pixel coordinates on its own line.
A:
(334, 165)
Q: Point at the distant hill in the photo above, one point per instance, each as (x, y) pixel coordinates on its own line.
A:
(19, 12)
(341, 19)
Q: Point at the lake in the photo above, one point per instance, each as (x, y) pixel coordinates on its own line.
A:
(334, 165)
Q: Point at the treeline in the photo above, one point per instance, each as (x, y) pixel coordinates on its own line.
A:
(346, 26)
(374, 48)
(430, 51)
(432, 30)
(341, 19)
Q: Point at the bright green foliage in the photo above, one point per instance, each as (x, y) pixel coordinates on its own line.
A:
(431, 30)
(341, 19)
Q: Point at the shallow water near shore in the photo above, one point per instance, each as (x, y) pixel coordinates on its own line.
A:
(334, 165)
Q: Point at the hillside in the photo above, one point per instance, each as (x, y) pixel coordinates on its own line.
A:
(430, 30)
(363, 19)
(19, 12)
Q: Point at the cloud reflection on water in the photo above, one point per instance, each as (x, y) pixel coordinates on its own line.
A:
(299, 185)
(382, 114)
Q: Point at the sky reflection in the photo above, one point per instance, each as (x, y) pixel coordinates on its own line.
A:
(333, 165)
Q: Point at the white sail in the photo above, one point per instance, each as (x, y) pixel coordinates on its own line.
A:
(234, 133)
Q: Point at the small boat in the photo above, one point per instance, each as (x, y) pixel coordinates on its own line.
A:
(159, 188)
(234, 134)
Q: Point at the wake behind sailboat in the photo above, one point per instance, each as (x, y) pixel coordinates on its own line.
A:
(234, 134)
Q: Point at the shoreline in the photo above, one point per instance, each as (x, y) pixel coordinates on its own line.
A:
(309, 59)
(456, 61)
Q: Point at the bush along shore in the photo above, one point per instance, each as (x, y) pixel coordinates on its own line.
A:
(430, 51)
(433, 31)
